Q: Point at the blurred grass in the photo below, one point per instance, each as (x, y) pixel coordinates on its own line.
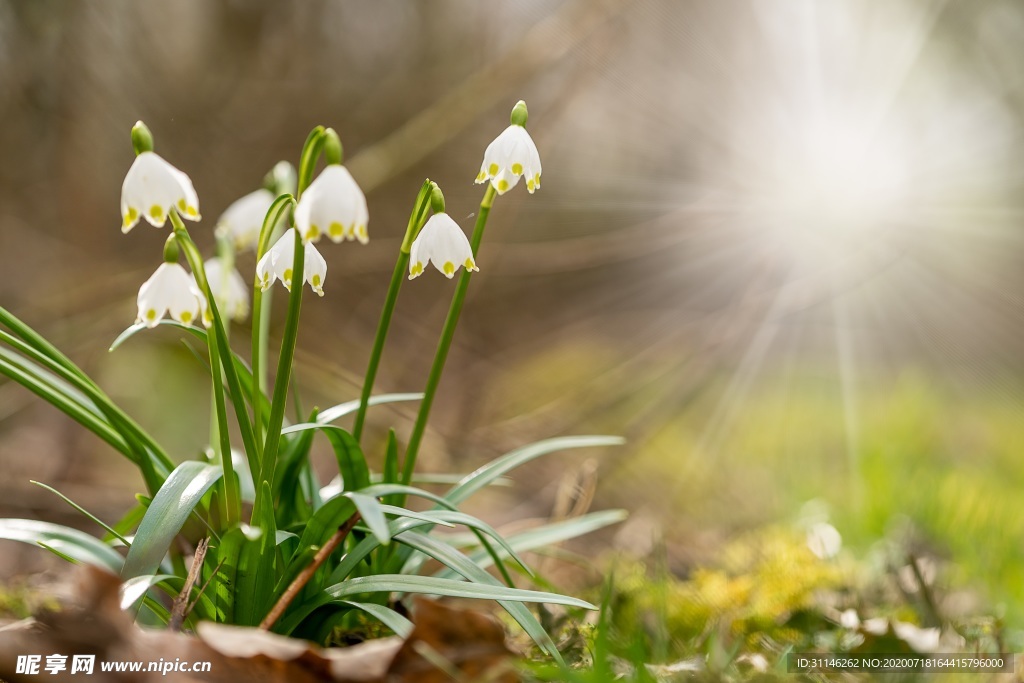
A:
(942, 462)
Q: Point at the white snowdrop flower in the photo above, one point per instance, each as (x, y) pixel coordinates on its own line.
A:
(152, 189)
(441, 242)
(333, 205)
(228, 289)
(242, 221)
(512, 155)
(171, 289)
(277, 264)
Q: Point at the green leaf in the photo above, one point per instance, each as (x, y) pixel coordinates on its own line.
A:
(381, 490)
(82, 510)
(324, 522)
(334, 412)
(454, 517)
(391, 468)
(429, 585)
(355, 474)
(256, 562)
(70, 543)
(423, 516)
(166, 514)
(496, 468)
(135, 588)
(557, 532)
(223, 585)
(373, 516)
(452, 558)
(50, 390)
(385, 615)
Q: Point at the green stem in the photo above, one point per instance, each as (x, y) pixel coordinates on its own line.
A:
(261, 320)
(445, 343)
(216, 340)
(397, 277)
(231, 501)
(284, 371)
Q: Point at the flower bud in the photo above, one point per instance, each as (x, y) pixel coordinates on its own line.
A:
(171, 249)
(519, 114)
(332, 147)
(142, 139)
(436, 198)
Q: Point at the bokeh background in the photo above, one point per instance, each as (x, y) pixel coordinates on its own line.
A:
(778, 247)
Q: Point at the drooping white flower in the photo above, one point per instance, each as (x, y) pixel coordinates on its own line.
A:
(333, 205)
(510, 156)
(242, 221)
(277, 264)
(441, 242)
(152, 189)
(170, 288)
(228, 289)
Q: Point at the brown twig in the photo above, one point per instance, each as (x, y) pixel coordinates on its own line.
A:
(306, 574)
(206, 585)
(180, 604)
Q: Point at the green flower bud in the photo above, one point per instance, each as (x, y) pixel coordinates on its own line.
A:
(436, 198)
(332, 147)
(142, 139)
(519, 114)
(171, 249)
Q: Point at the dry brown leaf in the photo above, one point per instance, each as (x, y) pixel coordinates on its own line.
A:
(449, 643)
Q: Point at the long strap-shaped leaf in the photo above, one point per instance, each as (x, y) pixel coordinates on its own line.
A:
(167, 513)
(442, 552)
(69, 543)
(496, 468)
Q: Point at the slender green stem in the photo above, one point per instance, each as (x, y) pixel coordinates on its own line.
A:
(445, 343)
(220, 356)
(261, 320)
(268, 457)
(231, 501)
(397, 277)
(284, 371)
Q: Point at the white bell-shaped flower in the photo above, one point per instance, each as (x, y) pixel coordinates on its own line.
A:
(279, 260)
(171, 289)
(152, 189)
(510, 156)
(242, 221)
(333, 205)
(228, 289)
(441, 242)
